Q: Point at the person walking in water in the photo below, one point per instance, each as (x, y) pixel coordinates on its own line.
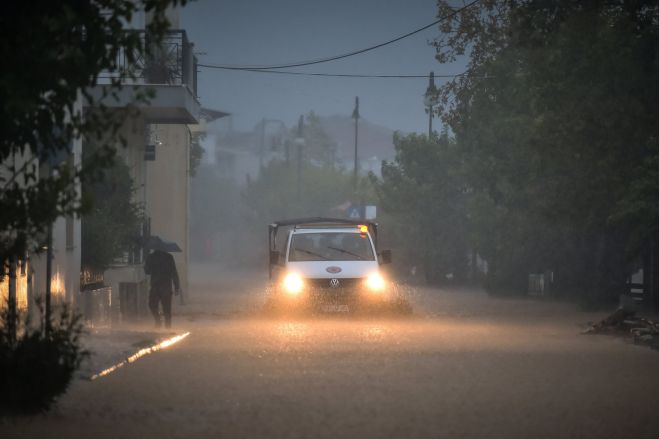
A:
(161, 267)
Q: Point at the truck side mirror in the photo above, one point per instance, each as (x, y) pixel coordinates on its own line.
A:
(385, 257)
(274, 257)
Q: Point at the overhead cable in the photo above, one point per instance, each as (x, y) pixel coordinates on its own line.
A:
(333, 75)
(349, 54)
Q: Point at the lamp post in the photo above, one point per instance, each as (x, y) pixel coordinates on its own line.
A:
(355, 115)
(430, 100)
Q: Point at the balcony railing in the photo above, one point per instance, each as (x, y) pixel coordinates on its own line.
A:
(170, 62)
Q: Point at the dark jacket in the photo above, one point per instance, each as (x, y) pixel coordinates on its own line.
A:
(160, 265)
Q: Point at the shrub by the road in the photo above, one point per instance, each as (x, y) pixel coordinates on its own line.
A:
(36, 367)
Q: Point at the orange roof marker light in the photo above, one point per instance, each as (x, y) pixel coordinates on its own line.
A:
(363, 228)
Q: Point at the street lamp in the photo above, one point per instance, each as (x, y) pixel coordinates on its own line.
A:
(430, 99)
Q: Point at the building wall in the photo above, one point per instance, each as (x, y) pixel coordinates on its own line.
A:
(65, 278)
(66, 244)
(168, 187)
(134, 133)
(15, 161)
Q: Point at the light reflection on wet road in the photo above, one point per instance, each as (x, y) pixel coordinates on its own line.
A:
(465, 365)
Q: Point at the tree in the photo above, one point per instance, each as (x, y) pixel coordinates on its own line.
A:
(113, 223)
(53, 53)
(424, 196)
(556, 119)
(319, 148)
(196, 151)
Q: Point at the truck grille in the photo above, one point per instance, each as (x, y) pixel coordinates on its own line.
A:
(330, 283)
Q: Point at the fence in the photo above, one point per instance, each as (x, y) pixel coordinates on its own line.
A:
(171, 62)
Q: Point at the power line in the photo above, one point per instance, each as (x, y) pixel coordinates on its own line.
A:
(331, 75)
(346, 55)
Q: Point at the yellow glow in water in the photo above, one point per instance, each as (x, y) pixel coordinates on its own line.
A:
(375, 333)
(293, 330)
(142, 352)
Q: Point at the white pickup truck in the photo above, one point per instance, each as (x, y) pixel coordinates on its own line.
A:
(327, 264)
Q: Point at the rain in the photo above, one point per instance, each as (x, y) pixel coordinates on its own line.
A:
(305, 219)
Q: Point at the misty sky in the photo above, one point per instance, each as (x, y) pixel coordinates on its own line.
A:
(253, 32)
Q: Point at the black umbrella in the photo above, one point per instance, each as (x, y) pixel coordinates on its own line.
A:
(158, 243)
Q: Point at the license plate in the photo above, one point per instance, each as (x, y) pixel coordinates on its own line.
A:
(335, 308)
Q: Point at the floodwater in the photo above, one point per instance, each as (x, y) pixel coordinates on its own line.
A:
(464, 365)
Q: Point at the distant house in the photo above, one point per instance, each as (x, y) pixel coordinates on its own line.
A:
(375, 142)
(239, 155)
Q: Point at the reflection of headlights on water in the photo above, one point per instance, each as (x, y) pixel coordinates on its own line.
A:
(293, 284)
(375, 282)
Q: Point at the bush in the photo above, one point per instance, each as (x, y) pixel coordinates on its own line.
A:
(36, 367)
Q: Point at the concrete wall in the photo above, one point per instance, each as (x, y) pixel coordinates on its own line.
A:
(168, 187)
(134, 132)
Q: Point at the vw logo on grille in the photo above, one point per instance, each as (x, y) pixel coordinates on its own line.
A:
(334, 283)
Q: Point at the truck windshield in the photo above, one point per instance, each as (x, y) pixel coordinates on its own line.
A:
(330, 247)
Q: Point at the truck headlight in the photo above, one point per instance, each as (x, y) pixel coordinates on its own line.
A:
(293, 284)
(375, 282)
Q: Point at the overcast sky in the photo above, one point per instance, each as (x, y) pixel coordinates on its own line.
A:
(257, 32)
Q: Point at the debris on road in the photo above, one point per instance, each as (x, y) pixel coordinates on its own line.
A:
(625, 323)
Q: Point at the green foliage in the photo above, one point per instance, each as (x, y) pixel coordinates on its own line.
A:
(112, 225)
(424, 196)
(37, 367)
(556, 122)
(553, 164)
(276, 194)
(319, 148)
(305, 185)
(196, 151)
(54, 53)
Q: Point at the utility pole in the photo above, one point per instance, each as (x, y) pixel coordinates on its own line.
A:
(430, 100)
(355, 115)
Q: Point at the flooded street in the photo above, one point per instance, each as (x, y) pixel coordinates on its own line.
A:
(464, 365)
(203, 205)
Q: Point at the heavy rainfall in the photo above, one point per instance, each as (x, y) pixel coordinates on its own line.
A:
(307, 219)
